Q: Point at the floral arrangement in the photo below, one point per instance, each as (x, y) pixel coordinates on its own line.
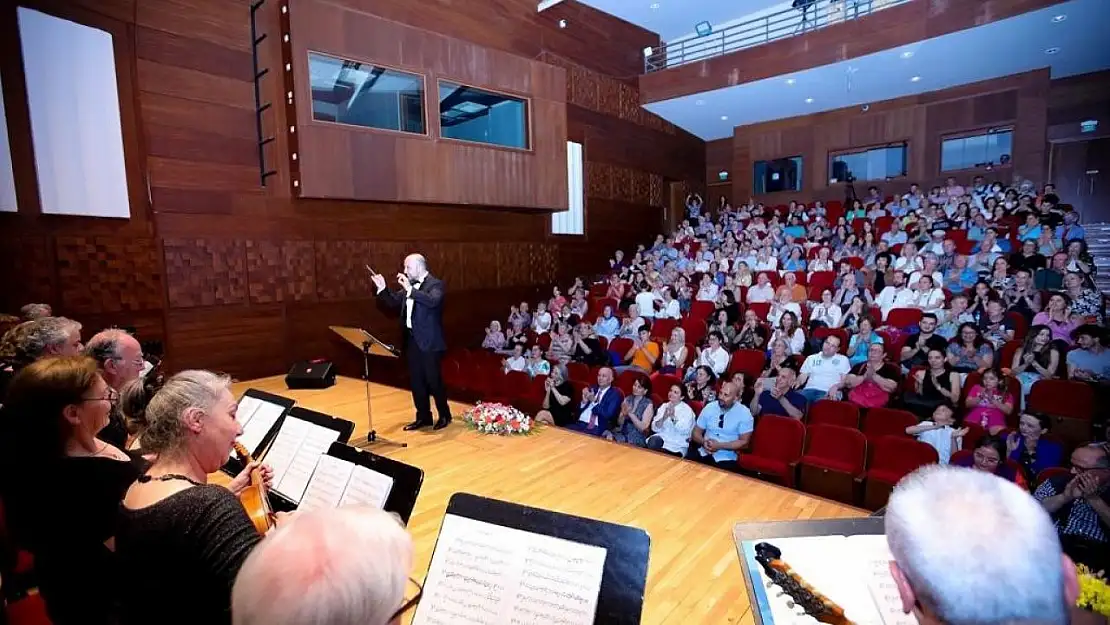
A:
(491, 418)
(1094, 592)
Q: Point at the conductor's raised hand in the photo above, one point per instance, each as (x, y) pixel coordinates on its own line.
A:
(378, 280)
(403, 280)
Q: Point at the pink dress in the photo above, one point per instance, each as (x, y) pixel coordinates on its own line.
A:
(987, 416)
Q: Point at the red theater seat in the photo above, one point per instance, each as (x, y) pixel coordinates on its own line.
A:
(829, 412)
(893, 458)
(880, 422)
(834, 457)
(775, 449)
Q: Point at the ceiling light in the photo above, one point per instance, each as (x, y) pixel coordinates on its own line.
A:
(700, 102)
(916, 79)
(654, 6)
(562, 23)
(1052, 50)
(907, 54)
(1059, 18)
(809, 100)
(724, 118)
(790, 81)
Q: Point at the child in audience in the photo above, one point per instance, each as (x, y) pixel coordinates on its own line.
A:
(940, 433)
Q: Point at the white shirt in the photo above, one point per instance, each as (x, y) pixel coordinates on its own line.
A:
(829, 314)
(706, 293)
(774, 315)
(516, 363)
(824, 372)
(907, 264)
(794, 343)
(588, 410)
(674, 432)
(938, 278)
(645, 302)
(715, 360)
(670, 311)
(892, 298)
(541, 322)
(931, 300)
(940, 440)
(770, 264)
(408, 300)
(757, 294)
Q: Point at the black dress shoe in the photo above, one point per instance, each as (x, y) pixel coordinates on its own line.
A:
(416, 425)
(442, 423)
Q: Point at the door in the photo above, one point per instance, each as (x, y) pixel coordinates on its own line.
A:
(1081, 172)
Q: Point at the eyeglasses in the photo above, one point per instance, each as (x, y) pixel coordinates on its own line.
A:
(413, 590)
(111, 396)
(986, 459)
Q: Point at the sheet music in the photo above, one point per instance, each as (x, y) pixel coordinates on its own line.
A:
(368, 487)
(263, 417)
(875, 557)
(294, 454)
(485, 574)
(328, 483)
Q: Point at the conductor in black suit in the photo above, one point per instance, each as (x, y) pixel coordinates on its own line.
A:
(420, 300)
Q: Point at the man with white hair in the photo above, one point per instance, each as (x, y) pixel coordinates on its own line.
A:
(30, 312)
(420, 300)
(340, 566)
(120, 360)
(971, 548)
(31, 340)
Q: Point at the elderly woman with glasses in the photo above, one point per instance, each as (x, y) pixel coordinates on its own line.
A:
(62, 486)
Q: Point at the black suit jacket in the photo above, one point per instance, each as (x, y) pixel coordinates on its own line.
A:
(427, 312)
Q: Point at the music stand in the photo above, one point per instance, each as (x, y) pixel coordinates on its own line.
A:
(368, 344)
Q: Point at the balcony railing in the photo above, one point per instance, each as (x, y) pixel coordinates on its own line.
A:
(786, 23)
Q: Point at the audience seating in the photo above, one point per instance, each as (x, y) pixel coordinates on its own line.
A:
(830, 412)
(903, 317)
(834, 457)
(1070, 404)
(1049, 473)
(760, 308)
(822, 333)
(892, 458)
(880, 422)
(701, 310)
(661, 383)
(30, 610)
(747, 361)
(626, 379)
(776, 448)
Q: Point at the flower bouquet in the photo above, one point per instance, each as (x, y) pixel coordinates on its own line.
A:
(491, 418)
(1094, 592)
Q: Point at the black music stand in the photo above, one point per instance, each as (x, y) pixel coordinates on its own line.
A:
(369, 345)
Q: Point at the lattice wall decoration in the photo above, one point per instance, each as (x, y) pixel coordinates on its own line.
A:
(299, 264)
(108, 274)
(28, 267)
(205, 272)
(265, 272)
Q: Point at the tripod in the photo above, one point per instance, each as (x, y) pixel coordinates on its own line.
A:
(804, 6)
(369, 345)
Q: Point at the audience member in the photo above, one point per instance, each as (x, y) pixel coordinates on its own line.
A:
(723, 428)
(673, 424)
(515, 361)
(1030, 449)
(1091, 362)
(636, 414)
(1079, 504)
(968, 351)
(940, 432)
(1036, 359)
(558, 404)
(600, 405)
(871, 383)
(31, 312)
(989, 456)
(823, 371)
(781, 398)
(643, 354)
(861, 341)
(1057, 318)
(495, 338)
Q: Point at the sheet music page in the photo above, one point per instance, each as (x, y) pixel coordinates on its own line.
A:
(874, 557)
(328, 483)
(315, 443)
(264, 417)
(244, 412)
(284, 448)
(485, 574)
(368, 487)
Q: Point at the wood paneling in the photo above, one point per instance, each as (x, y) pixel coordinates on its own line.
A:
(921, 120)
(343, 162)
(245, 278)
(883, 30)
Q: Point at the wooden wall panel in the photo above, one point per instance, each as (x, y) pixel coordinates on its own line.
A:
(883, 30)
(922, 121)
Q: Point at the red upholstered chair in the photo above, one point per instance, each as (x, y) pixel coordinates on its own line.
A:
(1070, 404)
(747, 361)
(1021, 327)
(776, 448)
(30, 610)
(452, 376)
(599, 290)
(829, 412)
(604, 342)
(626, 379)
(856, 262)
(579, 388)
(892, 458)
(661, 383)
(822, 280)
(661, 329)
(579, 372)
(1006, 354)
(1049, 473)
(516, 384)
(834, 457)
(760, 309)
(903, 317)
(544, 341)
(975, 433)
(701, 310)
(882, 224)
(607, 301)
(696, 406)
(620, 346)
(823, 333)
(887, 422)
(695, 329)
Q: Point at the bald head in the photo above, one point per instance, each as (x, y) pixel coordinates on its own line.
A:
(118, 354)
(342, 566)
(416, 266)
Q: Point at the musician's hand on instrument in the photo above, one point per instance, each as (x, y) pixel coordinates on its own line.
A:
(243, 479)
(267, 475)
(282, 518)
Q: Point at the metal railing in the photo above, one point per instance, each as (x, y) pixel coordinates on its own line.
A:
(780, 25)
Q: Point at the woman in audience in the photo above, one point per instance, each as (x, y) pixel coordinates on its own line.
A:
(703, 387)
(1057, 317)
(870, 383)
(558, 407)
(782, 305)
(541, 321)
(607, 325)
(751, 334)
(789, 331)
(856, 211)
(1079, 260)
(578, 306)
(1030, 449)
(968, 351)
(1047, 245)
(536, 364)
(743, 274)
(825, 314)
(928, 297)
(855, 312)
(179, 536)
(720, 323)
(670, 307)
(990, 456)
(673, 423)
(859, 344)
(726, 303)
(868, 247)
(556, 303)
(790, 285)
(989, 403)
(1037, 359)
(674, 352)
(849, 290)
(762, 292)
(616, 288)
(62, 486)
(880, 274)
(778, 359)
(495, 338)
(714, 355)
(795, 261)
(823, 262)
(1086, 304)
(1000, 279)
(634, 421)
(707, 290)
(562, 343)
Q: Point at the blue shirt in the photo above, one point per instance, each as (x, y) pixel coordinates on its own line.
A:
(795, 231)
(769, 405)
(1067, 233)
(738, 421)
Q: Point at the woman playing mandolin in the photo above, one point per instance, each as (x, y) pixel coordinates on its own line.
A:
(180, 540)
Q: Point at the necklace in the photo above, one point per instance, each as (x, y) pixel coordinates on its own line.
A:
(168, 477)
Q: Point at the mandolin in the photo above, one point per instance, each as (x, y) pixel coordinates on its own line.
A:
(815, 604)
(253, 497)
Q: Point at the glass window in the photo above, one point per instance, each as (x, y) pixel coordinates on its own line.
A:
(472, 114)
(877, 163)
(781, 174)
(992, 147)
(360, 94)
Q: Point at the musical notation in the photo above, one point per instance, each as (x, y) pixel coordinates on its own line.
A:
(256, 417)
(336, 482)
(294, 454)
(485, 574)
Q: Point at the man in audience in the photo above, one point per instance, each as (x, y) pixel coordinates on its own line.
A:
(723, 428)
(781, 399)
(338, 566)
(516, 361)
(120, 360)
(897, 295)
(1070, 230)
(1080, 506)
(30, 312)
(630, 327)
(915, 352)
(600, 405)
(643, 354)
(44, 337)
(931, 267)
(940, 524)
(1052, 277)
(947, 257)
(823, 370)
(995, 326)
(645, 301)
(1091, 362)
(896, 235)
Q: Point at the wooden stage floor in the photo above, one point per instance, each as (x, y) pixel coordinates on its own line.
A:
(689, 510)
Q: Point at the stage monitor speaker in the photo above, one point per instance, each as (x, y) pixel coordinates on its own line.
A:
(311, 374)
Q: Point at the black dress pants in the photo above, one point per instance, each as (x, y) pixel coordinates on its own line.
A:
(426, 379)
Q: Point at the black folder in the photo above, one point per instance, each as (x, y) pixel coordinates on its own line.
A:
(407, 479)
(233, 465)
(624, 575)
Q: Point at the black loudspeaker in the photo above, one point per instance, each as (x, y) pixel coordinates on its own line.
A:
(311, 374)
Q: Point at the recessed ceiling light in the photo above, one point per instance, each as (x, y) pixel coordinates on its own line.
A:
(1052, 50)
(790, 81)
(699, 102)
(654, 6)
(1059, 18)
(916, 79)
(907, 54)
(562, 23)
(724, 118)
(809, 100)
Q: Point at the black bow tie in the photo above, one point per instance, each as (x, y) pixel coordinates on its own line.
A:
(416, 284)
